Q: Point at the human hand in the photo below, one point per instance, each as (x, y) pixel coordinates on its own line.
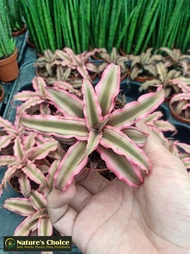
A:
(111, 217)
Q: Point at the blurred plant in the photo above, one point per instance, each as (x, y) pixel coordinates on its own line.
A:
(144, 64)
(116, 58)
(7, 44)
(14, 15)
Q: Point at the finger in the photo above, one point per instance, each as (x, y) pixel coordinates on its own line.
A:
(81, 198)
(61, 214)
(93, 183)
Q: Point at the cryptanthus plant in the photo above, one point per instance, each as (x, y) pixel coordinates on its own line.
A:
(94, 123)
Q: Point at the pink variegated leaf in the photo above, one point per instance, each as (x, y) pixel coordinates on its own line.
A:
(24, 96)
(39, 85)
(38, 200)
(121, 167)
(122, 145)
(138, 136)
(92, 110)
(165, 126)
(151, 118)
(25, 227)
(83, 72)
(43, 168)
(67, 103)
(92, 142)
(183, 83)
(10, 172)
(29, 103)
(34, 173)
(29, 140)
(51, 174)
(136, 110)
(40, 214)
(45, 227)
(58, 126)
(18, 149)
(5, 123)
(25, 186)
(5, 141)
(41, 151)
(61, 85)
(6, 160)
(73, 162)
(108, 88)
(20, 206)
(184, 146)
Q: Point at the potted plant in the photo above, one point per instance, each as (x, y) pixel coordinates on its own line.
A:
(176, 60)
(79, 64)
(116, 58)
(70, 131)
(8, 52)
(17, 24)
(143, 66)
(170, 80)
(180, 107)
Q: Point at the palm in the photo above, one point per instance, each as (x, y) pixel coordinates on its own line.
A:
(115, 218)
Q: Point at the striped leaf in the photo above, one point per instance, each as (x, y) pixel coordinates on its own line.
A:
(45, 227)
(41, 151)
(56, 125)
(67, 103)
(20, 206)
(121, 167)
(92, 110)
(24, 184)
(25, 227)
(122, 145)
(73, 162)
(34, 173)
(138, 136)
(136, 110)
(108, 88)
(38, 200)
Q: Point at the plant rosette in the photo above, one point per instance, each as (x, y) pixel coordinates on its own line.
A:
(180, 107)
(93, 123)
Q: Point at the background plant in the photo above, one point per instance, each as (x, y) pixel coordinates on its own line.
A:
(14, 15)
(7, 44)
(43, 22)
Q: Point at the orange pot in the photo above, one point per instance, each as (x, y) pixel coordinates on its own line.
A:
(21, 31)
(9, 70)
